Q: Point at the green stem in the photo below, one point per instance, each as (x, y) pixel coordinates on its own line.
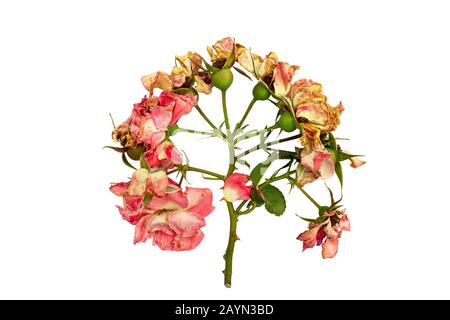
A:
(305, 193)
(240, 206)
(230, 247)
(260, 146)
(249, 108)
(225, 111)
(194, 169)
(254, 134)
(205, 117)
(193, 131)
(286, 175)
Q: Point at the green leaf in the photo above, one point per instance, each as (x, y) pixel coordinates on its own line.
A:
(117, 149)
(286, 155)
(306, 219)
(274, 200)
(242, 72)
(125, 160)
(147, 198)
(258, 172)
(256, 197)
(338, 170)
(341, 156)
(209, 67)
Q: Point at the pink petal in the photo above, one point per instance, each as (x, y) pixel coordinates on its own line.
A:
(200, 201)
(182, 103)
(184, 244)
(149, 134)
(319, 161)
(309, 237)
(282, 77)
(164, 156)
(138, 184)
(164, 241)
(132, 209)
(185, 223)
(330, 248)
(150, 226)
(235, 187)
(314, 113)
(158, 182)
(344, 223)
(119, 189)
(161, 117)
(170, 201)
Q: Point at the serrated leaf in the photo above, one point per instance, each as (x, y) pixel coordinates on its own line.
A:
(274, 200)
(117, 149)
(256, 197)
(127, 163)
(339, 174)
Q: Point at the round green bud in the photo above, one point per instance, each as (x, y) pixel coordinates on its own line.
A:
(222, 79)
(135, 153)
(287, 122)
(261, 92)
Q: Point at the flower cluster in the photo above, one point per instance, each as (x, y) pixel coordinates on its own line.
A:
(151, 200)
(172, 215)
(302, 106)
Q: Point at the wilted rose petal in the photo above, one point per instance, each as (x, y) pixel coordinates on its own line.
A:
(235, 187)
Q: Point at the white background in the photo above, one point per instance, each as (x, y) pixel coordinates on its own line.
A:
(65, 64)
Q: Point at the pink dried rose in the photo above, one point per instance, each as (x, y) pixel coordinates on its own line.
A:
(174, 221)
(317, 163)
(165, 156)
(313, 110)
(329, 230)
(189, 70)
(147, 124)
(220, 51)
(236, 188)
(142, 182)
(178, 104)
